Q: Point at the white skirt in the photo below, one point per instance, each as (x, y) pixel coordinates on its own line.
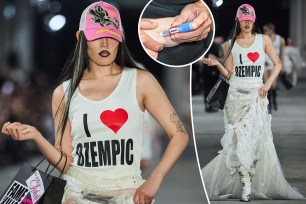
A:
(89, 189)
(247, 141)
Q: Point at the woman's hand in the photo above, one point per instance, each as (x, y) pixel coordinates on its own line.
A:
(147, 191)
(20, 131)
(262, 92)
(151, 45)
(211, 62)
(162, 24)
(198, 14)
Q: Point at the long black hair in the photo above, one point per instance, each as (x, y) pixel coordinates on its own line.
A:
(74, 70)
(234, 33)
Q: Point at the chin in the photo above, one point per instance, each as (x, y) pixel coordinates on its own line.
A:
(105, 63)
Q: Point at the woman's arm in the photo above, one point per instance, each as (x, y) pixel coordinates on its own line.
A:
(282, 51)
(271, 52)
(151, 96)
(52, 153)
(228, 69)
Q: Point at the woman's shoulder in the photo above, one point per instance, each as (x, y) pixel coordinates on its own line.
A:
(145, 80)
(58, 92)
(144, 75)
(265, 38)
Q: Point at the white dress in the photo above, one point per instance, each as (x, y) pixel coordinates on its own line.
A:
(248, 138)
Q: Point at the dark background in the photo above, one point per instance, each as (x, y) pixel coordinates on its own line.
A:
(52, 49)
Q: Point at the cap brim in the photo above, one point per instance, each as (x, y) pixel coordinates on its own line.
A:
(94, 34)
(246, 18)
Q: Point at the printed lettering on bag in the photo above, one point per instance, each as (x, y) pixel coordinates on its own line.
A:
(15, 194)
(36, 186)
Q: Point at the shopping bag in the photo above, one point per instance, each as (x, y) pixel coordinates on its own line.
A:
(32, 186)
(55, 192)
(217, 96)
(27, 187)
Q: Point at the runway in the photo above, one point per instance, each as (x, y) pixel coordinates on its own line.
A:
(289, 133)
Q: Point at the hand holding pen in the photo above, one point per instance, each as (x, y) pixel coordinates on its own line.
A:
(201, 23)
(182, 28)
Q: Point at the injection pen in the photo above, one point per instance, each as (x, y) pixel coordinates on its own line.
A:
(182, 28)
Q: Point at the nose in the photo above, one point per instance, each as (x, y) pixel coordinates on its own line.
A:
(104, 42)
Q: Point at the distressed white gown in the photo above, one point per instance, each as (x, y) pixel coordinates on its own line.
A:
(248, 138)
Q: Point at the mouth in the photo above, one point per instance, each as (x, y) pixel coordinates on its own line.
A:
(104, 53)
(246, 27)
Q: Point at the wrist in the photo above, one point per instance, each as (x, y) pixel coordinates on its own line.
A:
(268, 83)
(159, 176)
(219, 66)
(37, 137)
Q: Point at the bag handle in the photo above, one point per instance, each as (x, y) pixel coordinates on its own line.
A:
(62, 154)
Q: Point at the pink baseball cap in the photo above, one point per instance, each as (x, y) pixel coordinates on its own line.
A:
(246, 12)
(100, 20)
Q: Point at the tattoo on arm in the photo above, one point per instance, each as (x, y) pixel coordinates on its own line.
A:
(177, 122)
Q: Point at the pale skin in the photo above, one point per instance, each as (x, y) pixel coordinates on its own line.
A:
(105, 71)
(151, 46)
(245, 39)
(196, 12)
(272, 35)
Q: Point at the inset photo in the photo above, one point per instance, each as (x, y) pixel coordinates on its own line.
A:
(174, 33)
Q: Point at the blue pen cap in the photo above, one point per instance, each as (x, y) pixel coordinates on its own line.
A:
(186, 27)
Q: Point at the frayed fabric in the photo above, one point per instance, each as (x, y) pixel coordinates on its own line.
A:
(248, 142)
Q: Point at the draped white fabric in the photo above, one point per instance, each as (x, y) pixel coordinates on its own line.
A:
(247, 141)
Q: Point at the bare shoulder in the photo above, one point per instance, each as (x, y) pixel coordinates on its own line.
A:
(266, 38)
(145, 77)
(267, 42)
(57, 98)
(146, 83)
(58, 92)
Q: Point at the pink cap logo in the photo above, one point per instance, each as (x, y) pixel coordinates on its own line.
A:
(100, 20)
(246, 12)
(101, 16)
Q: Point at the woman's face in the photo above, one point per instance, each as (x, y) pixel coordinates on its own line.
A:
(102, 51)
(246, 26)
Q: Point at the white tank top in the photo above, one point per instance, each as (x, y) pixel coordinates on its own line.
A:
(107, 134)
(277, 45)
(248, 63)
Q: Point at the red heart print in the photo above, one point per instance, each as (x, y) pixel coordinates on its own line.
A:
(114, 119)
(253, 56)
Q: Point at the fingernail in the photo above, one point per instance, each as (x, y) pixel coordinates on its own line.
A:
(194, 25)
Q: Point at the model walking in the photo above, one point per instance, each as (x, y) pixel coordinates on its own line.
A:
(98, 117)
(248, 149)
